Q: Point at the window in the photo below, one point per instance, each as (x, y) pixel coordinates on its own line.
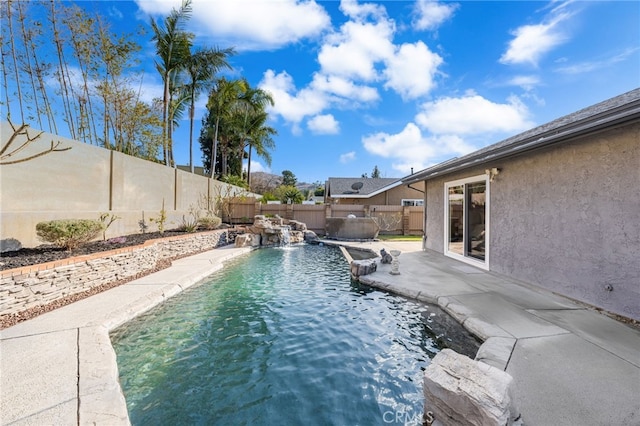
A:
(412, 203)
(467, 220)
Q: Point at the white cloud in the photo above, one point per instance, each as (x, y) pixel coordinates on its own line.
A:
(411, 149)
(473, 114)
(589, 66)
(348, 157)
(359, 55)
(527, 82)
(429, 15)
(344, 88)
(250, 24)
(354, 50)
(256, 166)
(158, 7)
(324, 124)
(360, 11)
(531, 42)
(292, 106)
(446, 128)
(410, 72)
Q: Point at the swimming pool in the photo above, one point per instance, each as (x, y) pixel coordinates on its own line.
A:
(279, 336)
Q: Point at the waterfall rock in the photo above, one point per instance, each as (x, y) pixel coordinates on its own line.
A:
(461, 391)
(248, 240)
(310, 236)
(297, 226)
(272, 231)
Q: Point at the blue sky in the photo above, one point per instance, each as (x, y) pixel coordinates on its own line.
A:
(401, 84)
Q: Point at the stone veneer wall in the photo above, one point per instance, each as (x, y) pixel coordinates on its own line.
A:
(36, 285)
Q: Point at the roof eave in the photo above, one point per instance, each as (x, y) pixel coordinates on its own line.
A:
(628, 113)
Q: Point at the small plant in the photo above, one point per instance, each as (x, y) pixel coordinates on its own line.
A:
(190, 223)
(143, 225)
(107, 219)
(69, 233)
(161, 219)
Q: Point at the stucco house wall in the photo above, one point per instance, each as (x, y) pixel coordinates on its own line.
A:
(565, 218)
(391, 197)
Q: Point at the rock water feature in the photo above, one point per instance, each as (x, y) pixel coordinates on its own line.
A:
(274, 232)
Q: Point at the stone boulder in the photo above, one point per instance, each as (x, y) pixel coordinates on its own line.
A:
(310, 236)
(248, 240)
(363, 267)
(297, 226)
(461, 391)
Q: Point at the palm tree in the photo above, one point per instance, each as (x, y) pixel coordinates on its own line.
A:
(260, 137)
(256, 133)
(178, 101)
(172, 46)
(223, 100)
(201, 67)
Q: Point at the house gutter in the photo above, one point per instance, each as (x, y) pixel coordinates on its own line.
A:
(415, 189)
(598, 122)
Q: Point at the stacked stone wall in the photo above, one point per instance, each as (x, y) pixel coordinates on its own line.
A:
(32, 286)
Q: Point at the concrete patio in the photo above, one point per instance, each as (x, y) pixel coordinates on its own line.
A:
(571, 365)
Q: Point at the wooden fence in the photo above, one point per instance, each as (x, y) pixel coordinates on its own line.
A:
(395, 220)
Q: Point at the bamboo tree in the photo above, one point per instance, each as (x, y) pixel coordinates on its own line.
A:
(41, 69)
(26, 36)
(83, 42)
(13, 55)
(5, 70)
(114, 55)
(62, 73)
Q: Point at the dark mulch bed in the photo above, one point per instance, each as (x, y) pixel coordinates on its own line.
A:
(48, 253)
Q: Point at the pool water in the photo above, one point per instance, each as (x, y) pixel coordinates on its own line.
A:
(279, 336)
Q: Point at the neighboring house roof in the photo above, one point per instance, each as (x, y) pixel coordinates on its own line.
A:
(351, 188)
(620, 109)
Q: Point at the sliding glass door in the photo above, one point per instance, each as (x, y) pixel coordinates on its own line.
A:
(466, 219)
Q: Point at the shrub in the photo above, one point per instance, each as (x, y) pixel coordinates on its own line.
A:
(210, 222)
(69, 233)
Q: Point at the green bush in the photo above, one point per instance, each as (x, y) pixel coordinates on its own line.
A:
(210, 221)
(288, 194)
(69, 233)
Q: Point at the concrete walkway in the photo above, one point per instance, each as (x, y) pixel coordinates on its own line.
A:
(571, 365)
